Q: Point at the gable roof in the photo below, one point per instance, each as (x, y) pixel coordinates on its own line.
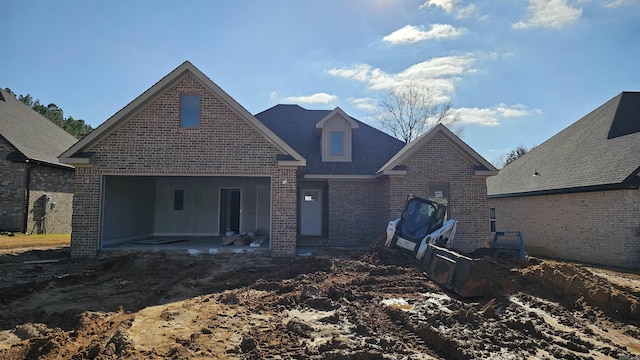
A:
(337, 111)
(371, 148)
(34, 137)
(481, 166)
(74, 155)
(597, 152)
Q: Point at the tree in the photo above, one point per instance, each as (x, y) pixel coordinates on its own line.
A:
(53, 112)
(410, 110)
(516, 153)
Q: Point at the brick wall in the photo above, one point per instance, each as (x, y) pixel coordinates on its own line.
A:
(12, 190)
(153, 142)
(283, 213)
(594, 227)
(354, 212)
(57, 183)
(44, 180)
(440, 162)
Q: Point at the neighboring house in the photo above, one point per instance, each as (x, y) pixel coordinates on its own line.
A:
(185, 159)
(36, 190)
(576, 195)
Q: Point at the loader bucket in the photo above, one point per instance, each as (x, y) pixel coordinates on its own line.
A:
(463, 275)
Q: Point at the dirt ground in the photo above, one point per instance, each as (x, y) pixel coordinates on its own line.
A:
(375, 305)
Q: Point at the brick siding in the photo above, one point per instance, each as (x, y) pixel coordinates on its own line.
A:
(441, 162)
(45, 179)
(152, 142)
(57, 183)
(12, 190)
(594, 227)
(354, 212)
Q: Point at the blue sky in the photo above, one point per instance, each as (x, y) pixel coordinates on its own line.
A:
(516, 71)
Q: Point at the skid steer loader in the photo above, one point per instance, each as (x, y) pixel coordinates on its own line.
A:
(423, 232)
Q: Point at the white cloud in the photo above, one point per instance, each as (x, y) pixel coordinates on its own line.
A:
(359, 72)
(446, 5)
(617, 3)
(466, 12)
(451, 6)
(366, 104)
(438, 74)
(412, 34)
(549, 14)
(492, 116)
(317, 98)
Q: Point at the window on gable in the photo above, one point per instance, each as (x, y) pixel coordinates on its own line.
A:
(190, 107)
(337, 143)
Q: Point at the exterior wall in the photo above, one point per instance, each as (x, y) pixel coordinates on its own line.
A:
(12, 190)
(45, 180)
(354, 212)
(57, 183)
(152, 142)
(441, 162)
(593, 227)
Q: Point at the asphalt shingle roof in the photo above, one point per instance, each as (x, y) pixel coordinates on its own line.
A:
(34, 136)
(601, 149)
(295, 125)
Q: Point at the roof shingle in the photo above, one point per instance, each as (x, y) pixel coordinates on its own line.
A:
(371, 148)
(34, 136)
(601, 149)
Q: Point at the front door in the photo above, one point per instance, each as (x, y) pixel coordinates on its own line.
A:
(310, 212)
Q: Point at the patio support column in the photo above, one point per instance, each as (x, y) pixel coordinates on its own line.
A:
(284, 221)
(86, 212)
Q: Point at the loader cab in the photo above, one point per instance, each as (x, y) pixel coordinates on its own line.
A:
(419, 218)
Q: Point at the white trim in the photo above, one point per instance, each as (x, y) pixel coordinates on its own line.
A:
(394, 172)
(292, 163)
(486, 173)
(336, 111)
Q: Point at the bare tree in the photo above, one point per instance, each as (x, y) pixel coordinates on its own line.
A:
(516, 153)
(410, 110)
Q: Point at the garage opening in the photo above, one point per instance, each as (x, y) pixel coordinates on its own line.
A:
(157, 210)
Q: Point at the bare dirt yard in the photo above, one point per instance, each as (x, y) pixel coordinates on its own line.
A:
(375, 305)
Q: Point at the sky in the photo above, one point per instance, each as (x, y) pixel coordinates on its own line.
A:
(516, 71)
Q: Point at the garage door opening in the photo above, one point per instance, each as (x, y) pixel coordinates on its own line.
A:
(157, 210)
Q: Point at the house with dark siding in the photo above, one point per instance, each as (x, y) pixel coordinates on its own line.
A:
(185, 160)
(36, 189)
(576, 196)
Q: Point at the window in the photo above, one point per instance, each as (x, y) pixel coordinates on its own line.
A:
(310, 196)
(337, 147)
(190, 111)
(178, 200)
(492, 219)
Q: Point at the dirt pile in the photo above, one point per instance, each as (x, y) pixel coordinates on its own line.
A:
(159, 305)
